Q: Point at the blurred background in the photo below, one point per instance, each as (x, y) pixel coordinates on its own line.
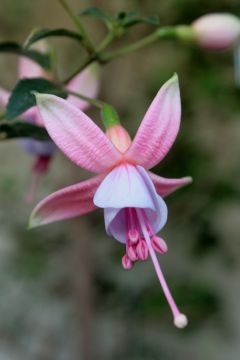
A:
(63, 292)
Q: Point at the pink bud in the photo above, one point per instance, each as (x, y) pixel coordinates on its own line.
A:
(119, 137)
(126, 262)
(159, 245)
(217, 31)
(133, 236)
(142, 250)
(132, 254)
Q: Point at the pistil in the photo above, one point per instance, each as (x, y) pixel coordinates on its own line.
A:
(180, 320)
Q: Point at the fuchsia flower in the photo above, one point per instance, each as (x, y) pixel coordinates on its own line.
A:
(131, 195)
(85, 83)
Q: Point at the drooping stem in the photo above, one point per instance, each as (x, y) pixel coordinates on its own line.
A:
(86, 41)
(98, 103)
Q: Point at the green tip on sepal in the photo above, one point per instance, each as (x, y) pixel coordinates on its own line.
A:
(175, 76)
(109, 116)
(32, 223)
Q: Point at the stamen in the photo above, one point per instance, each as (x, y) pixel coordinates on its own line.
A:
(133, 233)
(131, 253)
(142, 250)
(159, 245)
(126, 262)
(133, 236)
(180, 320)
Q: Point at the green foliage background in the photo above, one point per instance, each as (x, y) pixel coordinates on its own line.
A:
(64, 283)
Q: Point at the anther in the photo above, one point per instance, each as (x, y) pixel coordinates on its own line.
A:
(159, 245)
(126, 262)
(133, 236)
(142, 250)
(131, 253)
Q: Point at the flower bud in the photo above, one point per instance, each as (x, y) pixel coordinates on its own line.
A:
(126, 262)
(119, 137)
(217, 31)
(142, 250)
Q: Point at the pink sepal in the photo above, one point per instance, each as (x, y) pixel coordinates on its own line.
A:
(66, 203)
(159, 127)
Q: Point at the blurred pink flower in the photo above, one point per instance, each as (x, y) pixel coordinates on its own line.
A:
(217, 31)
(131, 195)
(86, 83)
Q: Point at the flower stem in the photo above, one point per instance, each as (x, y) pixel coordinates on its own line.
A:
(98, 103)
(85, 38)
(87, 62)
(106, 41)
(162, 33)
(180, 320)
(101, 57)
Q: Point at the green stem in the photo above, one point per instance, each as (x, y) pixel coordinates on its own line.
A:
(86, 41)
(87, 62)
(108, 39)
(106, 42)
(163, 33)
(179, 32)
(97, 103)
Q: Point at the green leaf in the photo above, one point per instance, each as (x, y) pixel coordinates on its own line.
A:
(22, 97)
(44, 33)
(14, 48)
(94, 11)
(20, 129)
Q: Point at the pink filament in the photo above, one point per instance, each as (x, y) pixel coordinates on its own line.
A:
(158, 270)
(33, 187)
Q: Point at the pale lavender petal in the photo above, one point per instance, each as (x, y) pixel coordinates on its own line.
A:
(115, 223)
(165, 186)
(37, 147)
(157, 218)
(66, 203)
(123, 187)
(87, 84)
(77, 135)
(159, 127)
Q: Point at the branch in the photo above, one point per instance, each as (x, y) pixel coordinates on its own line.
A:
(86, 40)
